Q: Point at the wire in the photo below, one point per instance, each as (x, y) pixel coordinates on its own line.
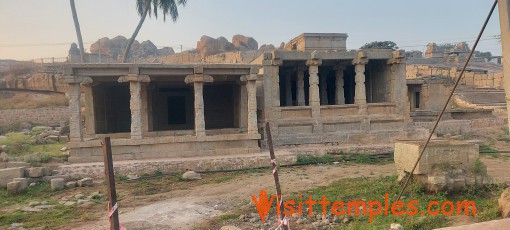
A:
(448, 100)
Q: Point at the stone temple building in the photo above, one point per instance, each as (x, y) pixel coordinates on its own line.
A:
(314, 91)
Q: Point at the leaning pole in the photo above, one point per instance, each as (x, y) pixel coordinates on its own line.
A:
(504, 23)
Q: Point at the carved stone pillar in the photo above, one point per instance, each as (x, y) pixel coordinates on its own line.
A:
(300, 85)
(135, 104)
(339, 85)
(360, 95)
(288, 88)
(314, 98)
(398, 85)
(251, 88)
(198, 80)
(74, 94)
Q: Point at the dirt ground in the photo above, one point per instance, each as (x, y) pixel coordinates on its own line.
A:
(188, 206)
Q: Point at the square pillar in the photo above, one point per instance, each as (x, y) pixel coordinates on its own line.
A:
(398, 87)
(339, 85)
(314, 98)
(251, 88)
(198, 80)
(75, 127)
(135, 104)
(300, 85)
(90, 123)
(74, 94)
(360, 95)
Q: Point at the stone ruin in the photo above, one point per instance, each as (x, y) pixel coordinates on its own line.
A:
(446, 165)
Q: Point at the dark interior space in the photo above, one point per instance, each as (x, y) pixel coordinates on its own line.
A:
(172, 106)
(349, 84)
(219, 108)
(111, 108)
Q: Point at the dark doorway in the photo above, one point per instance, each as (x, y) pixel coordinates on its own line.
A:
(176, 110)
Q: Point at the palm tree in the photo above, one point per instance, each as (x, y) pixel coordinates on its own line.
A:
(147, 7)
(78, 31)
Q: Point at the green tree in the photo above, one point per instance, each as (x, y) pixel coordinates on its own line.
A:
(78, 31)
(487, 55)
(380, 45)
(149, 7)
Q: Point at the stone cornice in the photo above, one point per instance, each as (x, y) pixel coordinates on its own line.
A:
(75, 80)
(134, 77)
(198, 78)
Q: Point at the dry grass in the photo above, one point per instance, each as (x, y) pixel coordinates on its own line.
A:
(24, 100)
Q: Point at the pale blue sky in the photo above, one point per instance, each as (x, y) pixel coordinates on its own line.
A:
(36, 28)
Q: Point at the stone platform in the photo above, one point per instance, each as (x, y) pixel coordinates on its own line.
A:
(177, 165)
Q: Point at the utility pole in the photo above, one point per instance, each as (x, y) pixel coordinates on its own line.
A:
(504, 23)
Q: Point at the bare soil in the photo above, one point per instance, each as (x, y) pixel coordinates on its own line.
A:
(193, 204)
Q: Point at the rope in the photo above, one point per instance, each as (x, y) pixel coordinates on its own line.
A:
(448, 100)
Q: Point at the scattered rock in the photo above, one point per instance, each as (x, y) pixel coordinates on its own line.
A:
(191, 175)
(229, 227)
(69, 203)
(41, 128)
(504, 203)
(79, 196)
(345, 220)
(57, 184)
(32, 184)
(86, 182)
(71, 184)
(34, 203)
(395, 226)
(63, 149)
(16, 225)
(23, 183)
(35, 172)
(31, 209)
(7, 175)
(14, 187)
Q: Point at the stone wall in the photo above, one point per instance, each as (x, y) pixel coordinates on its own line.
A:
(41, 116)
(457, 127)
(476, 79)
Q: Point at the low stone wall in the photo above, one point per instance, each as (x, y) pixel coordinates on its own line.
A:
(42, 116)
(475, 79)
(457, 127)
(175, 165)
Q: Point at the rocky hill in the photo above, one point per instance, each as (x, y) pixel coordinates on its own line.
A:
(114, 47)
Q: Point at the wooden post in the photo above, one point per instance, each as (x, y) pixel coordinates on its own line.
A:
(275, 175)
(110, 183)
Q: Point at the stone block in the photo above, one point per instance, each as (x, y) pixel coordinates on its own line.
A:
(191, 175)
(71, 184)
(57, 184)
(14, 187)
(438, 155)
(23, 183)
(35, 172)
(41, 128)
(85, 182)
(7, 175)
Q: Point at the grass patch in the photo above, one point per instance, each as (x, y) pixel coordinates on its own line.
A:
(16, 139)
(226, 217)
(366, 189)
(309, 159)
(487, 149)
(16, 127)
(31, 100)
(22, 147)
